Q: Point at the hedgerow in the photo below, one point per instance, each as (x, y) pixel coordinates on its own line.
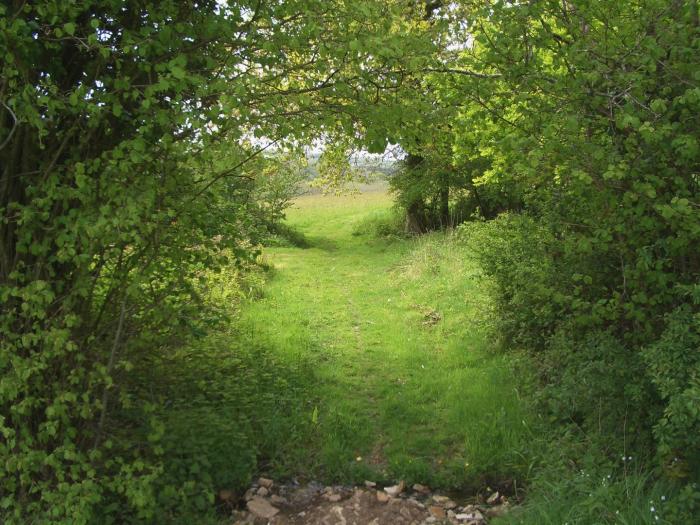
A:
(591, 111)
(129, 133)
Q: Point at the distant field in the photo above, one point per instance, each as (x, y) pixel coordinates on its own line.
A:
(381, 186)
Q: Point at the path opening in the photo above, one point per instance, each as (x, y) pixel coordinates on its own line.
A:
(406, 383)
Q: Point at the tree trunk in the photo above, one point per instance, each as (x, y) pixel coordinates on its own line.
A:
(445, 201)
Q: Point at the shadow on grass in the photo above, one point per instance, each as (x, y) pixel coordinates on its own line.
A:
(322, 243)
(233, 404)
(285, 236)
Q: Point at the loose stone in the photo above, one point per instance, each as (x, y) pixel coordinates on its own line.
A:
(395, 490)
(262, 508)
(493, 498)
(382, 497)
(436, 511)
(265, 482)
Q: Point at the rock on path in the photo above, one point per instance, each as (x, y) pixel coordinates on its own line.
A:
(314, 504)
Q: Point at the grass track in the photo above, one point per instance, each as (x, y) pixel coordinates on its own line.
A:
(406, 383)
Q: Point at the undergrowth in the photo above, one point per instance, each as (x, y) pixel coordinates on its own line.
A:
(229, 409)
(595, 459)
(384, 223)
(220, 407)
(573, 481)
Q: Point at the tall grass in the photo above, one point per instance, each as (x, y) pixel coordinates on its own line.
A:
(592, 493)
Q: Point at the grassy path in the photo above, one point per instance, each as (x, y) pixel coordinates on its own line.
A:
(405, 382)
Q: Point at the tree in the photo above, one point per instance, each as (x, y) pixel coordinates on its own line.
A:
(278, 183)
(589, 111)
(111, 200)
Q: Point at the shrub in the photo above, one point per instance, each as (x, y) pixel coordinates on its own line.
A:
(626, 397)
(583, 373)
(674, 367)
(515, 252)
(277, 183)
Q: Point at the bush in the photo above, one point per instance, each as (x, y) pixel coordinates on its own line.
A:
(277, 182)
(515, 252)
(583, 373)
(624, 397)
(674, 367)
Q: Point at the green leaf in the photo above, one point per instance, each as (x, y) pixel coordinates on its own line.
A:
(178, 72)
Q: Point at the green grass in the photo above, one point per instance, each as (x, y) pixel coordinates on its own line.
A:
(406, 383)
(363, 354)
(587, 489)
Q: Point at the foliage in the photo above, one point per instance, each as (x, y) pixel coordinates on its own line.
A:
(279, 181)
(674, 368)
(422, 191)
(129, 132)
(115, 199)
(436, 190)
(588, 113)
(515, 252)
(335, 171)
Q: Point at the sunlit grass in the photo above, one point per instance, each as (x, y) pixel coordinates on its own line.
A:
(407, 386)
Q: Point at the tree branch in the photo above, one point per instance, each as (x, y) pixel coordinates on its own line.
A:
(466, 72)
(14, 126)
